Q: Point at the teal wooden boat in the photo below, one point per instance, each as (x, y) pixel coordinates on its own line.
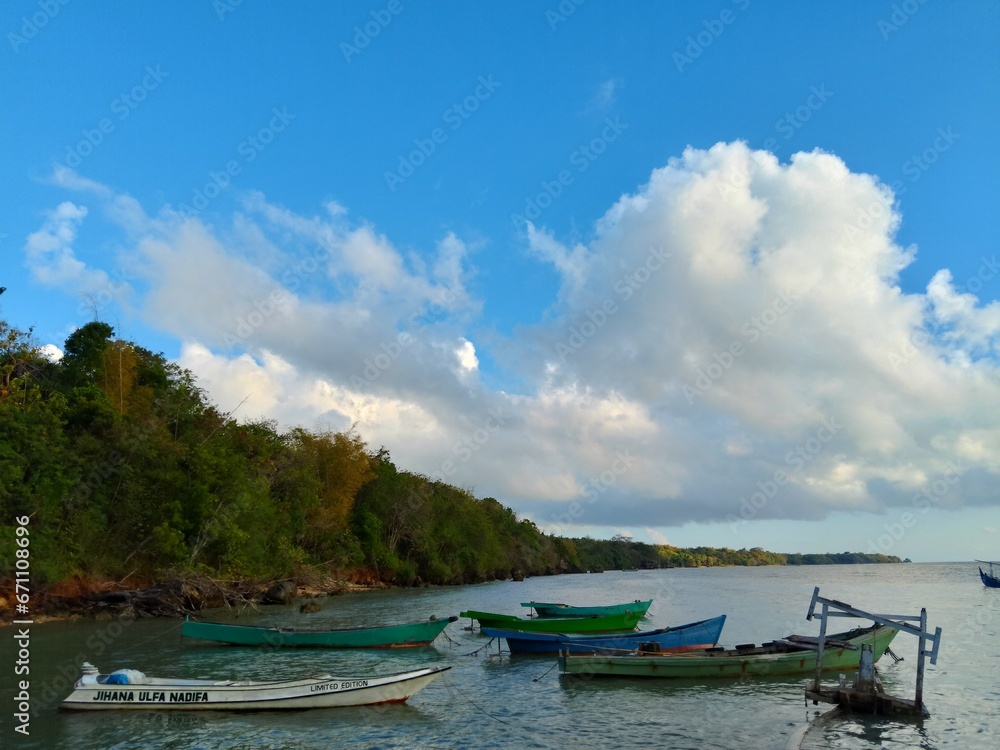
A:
(788, 656)
(388, 636)
(549, 609)
(617, 623)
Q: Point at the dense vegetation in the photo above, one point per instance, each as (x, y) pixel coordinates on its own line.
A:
(128, 472)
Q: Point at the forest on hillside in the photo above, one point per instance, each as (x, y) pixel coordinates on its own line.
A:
(128, 473)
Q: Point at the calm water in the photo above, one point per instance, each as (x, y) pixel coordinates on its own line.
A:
(495, 701)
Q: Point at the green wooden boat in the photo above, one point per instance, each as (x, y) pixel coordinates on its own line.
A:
(389, 636)
(616, 623)
(791, 655)
(549, 609)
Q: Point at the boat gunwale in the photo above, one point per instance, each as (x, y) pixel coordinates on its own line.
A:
(317, 631)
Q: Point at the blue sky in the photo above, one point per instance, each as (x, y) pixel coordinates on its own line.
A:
(715, 273)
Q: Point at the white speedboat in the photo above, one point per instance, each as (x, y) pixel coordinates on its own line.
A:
(131, 689)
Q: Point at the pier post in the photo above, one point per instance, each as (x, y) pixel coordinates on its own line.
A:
(819, 648)
(918, 697)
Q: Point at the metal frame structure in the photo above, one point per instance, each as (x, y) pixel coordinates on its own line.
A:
(834, 608)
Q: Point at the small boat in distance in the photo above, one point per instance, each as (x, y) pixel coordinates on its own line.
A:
(130, 689)
(692, 636)
(794, 654)
(387, 636)
(989, 579)
(548, 609)
(594, 624)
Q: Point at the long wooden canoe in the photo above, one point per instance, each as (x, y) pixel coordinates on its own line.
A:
(550, 609)
(595, 624)
(791, 655)
(692, 636)
(388, 636)
(130, 689)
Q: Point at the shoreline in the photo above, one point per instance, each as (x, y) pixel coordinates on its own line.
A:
(82, 598)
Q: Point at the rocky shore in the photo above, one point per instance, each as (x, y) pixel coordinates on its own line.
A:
(81, 597)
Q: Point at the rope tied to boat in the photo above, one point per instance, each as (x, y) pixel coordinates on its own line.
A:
(476, 652)
(152, 638)
(536, 679)
(472, 703)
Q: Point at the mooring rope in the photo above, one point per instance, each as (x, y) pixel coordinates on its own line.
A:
(153, 638)
(476, 652)
(472, 703)
(546, 672)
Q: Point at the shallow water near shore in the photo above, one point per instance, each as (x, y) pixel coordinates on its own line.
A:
(491, 700)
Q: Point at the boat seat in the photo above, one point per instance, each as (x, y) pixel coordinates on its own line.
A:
(745, 646)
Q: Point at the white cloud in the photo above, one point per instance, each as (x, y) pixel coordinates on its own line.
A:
(50, 255)
(657, 537)
(466, 354)
(734, 327)
(51, 352)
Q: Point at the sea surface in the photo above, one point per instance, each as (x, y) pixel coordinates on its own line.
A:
(492, 700)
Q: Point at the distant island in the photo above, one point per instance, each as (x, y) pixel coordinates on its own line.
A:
(127, 478)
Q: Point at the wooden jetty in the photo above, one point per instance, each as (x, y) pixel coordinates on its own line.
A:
(866, 695)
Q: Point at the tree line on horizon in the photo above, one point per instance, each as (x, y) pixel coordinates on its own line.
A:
(128, 472)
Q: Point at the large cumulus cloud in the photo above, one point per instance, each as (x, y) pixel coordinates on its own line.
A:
(730, 341)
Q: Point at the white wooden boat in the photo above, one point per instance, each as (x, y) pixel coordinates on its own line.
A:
(130, 689)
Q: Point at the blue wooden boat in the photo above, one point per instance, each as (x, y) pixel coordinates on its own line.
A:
(690, 637)
(550, 609)
(989, 579)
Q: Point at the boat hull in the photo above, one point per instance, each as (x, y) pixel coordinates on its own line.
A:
(391, 636)
(692, 636)
(604, 624)
(989, 581)
(327, 691)
(730, 664)
(548, 609)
